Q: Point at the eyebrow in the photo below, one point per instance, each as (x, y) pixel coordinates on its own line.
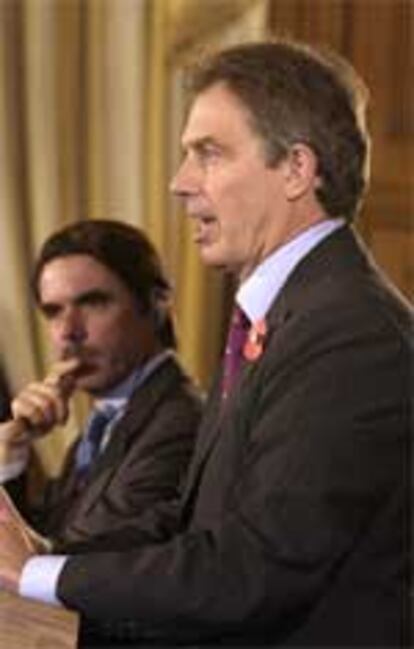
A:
(86, 297)
(93, 295)
(200, 142)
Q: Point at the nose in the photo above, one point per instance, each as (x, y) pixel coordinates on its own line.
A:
(186, 181)
(72, 326)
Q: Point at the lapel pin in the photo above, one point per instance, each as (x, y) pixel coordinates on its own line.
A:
(253, 347)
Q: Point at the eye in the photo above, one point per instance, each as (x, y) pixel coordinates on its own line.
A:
(207, 152)
(51, 311)
(97, 298)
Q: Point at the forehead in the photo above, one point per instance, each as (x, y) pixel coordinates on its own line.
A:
(64, 277)
(216, 112)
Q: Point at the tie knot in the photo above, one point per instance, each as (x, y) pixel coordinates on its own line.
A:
(237, 335)
(239, 319)
(239, 325)
(97, 423)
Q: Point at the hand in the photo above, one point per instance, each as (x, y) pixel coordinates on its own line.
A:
(43, 404)
(16, 545)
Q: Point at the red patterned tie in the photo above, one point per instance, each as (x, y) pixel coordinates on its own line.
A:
(239, 326)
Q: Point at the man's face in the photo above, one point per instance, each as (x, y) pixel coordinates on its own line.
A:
(90, 312)
(236, 201)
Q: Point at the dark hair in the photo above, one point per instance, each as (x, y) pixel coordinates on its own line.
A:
(125, 251)
(295, 94)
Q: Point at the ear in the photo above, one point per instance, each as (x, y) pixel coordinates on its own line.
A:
(301, 175)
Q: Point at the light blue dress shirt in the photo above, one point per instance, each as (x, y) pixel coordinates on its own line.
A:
(255, 296)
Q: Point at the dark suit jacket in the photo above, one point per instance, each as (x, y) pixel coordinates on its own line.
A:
(144, 462)
(294, 522)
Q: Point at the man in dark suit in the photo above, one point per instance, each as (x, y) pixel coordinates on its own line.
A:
(106, 300)
(293, 527)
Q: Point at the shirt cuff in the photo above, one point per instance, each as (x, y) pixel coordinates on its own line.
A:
(39, 578)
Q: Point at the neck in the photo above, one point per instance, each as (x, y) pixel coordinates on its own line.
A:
(294, 230)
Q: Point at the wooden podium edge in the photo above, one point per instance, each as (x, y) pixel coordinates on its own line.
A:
(29, 624)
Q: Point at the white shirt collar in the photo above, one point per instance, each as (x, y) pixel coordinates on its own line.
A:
(258, 292)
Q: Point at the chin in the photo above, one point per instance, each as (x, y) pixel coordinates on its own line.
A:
(93, 384)
(214, 259)
(220, 262)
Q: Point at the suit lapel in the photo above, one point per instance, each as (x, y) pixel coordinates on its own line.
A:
(140, 409)
(206, 434)
(216, 413)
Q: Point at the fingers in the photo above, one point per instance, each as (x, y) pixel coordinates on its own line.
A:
(42, 405)
(62, 374)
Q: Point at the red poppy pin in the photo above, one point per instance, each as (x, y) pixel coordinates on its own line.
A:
(253, 347)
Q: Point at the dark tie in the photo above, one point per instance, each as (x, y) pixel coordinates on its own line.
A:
(89, 445)
(236, 338)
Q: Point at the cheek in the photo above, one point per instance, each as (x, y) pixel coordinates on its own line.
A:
(237, 213)
(54, 335)
(121, 331)
(108, 330)
(237, 195)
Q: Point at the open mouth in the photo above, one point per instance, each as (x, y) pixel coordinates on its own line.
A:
(207, 219)
(203, 227)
